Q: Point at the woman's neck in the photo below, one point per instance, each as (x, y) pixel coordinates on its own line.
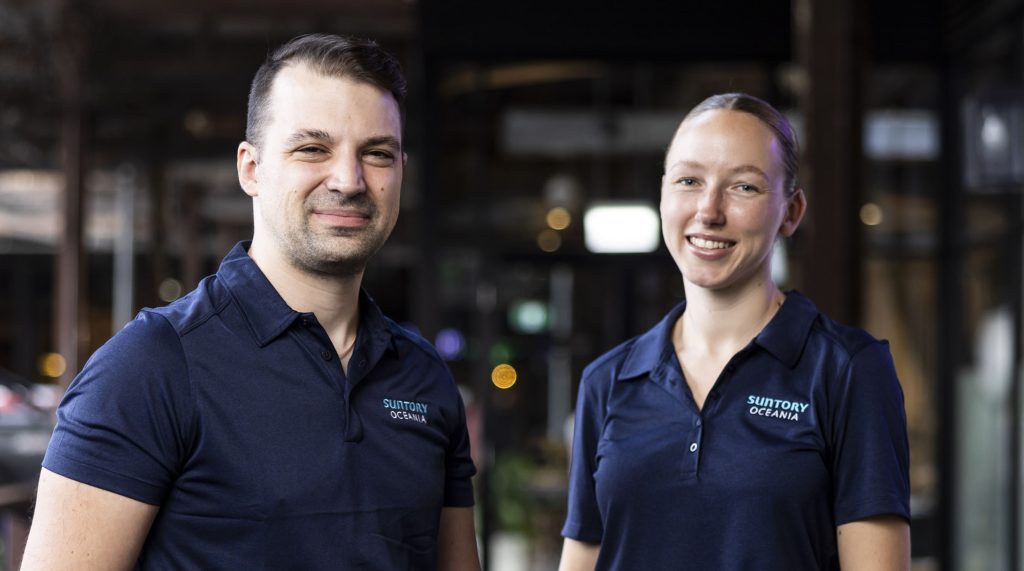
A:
(720, 322)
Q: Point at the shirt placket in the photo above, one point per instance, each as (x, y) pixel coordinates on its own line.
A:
(313, 335)
(671, 380)
(713, 402)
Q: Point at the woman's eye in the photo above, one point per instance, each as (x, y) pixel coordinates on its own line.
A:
(687, 181)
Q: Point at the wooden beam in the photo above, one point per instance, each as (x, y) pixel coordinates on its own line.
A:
(833, 55)
(70, 257)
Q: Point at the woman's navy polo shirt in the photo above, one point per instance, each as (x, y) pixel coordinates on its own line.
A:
(231, 412)
(803, 431)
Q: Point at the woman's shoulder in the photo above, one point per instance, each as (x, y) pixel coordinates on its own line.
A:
(840, 338)
(637, 355)
(846, 337)
(611, 361)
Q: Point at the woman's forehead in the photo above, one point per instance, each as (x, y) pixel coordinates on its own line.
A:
(722, 135)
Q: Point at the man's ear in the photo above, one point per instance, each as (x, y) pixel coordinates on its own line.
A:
(247, 162)
(405, 158)
(796, 207)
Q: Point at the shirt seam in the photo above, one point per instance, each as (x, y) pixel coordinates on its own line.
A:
(193, 423)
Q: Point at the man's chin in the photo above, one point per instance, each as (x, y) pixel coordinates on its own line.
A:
(330, 263)
(348, 266)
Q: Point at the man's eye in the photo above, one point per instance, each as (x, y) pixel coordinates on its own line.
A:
(379, 158)
(747, 188)
(310, 150)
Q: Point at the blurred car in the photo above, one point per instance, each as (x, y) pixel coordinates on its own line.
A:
(26, 423)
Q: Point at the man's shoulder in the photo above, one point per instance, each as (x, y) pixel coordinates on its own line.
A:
(144, 354)
(155, 334)
(411, 345)
(194, 308)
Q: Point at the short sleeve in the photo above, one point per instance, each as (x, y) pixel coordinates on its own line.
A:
(583, 519)
(459, 468)
(870, 447)
(123, 425)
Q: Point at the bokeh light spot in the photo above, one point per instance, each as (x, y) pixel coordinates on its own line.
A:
(558, 218)
(504, 376)
(52, 365)
(549, 240)
(450, 344)
(500, 353)
(170, 290)
(871, 214)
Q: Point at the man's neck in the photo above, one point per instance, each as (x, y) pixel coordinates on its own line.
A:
(333, 299)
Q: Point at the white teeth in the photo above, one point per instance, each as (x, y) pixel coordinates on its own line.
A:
(707, 244)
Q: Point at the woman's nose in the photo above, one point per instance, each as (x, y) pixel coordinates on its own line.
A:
(709, 208)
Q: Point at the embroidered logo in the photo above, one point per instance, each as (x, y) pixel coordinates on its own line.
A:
(406, 410)
(776, 408)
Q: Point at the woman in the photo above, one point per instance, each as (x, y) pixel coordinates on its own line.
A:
(746, 430)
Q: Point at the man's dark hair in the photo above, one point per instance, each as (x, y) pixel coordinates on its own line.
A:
(331, 56)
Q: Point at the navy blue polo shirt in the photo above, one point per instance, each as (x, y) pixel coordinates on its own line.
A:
(803, 431)
(231, 412)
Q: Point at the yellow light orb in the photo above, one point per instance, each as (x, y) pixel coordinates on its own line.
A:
(504, 376)
(871, 214)
(52, 365)
(558, 218)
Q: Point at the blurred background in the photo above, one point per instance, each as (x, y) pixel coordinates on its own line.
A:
(528, 122)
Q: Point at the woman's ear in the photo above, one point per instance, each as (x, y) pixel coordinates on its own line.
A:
(796, 206)
(246, 163)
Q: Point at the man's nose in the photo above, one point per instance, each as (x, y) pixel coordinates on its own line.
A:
(346, 175)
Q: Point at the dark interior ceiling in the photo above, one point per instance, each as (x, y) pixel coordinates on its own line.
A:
(171, 77)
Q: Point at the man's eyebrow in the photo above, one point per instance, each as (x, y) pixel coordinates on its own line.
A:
(385, 140)
(307, 135)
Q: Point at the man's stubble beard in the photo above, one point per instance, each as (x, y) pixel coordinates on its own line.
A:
(344, 254)
(340, 253)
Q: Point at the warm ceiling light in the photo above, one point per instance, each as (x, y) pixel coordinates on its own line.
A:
(558, 218)
(871, 214)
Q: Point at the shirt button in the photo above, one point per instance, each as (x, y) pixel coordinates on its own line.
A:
(693, 447)
(305, 322)
(362, 362)
(326, 355)
(698, 422)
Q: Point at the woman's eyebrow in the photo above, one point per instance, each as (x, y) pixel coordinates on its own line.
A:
(685, 163)
(749, 169)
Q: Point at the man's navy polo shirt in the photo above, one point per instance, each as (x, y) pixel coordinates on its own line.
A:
(231, 412)
(803, 431)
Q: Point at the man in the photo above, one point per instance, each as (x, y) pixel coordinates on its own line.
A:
(273, 418)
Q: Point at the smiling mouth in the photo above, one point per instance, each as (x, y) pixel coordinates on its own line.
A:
(344, 213)
(343, 221)
(709, 244)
